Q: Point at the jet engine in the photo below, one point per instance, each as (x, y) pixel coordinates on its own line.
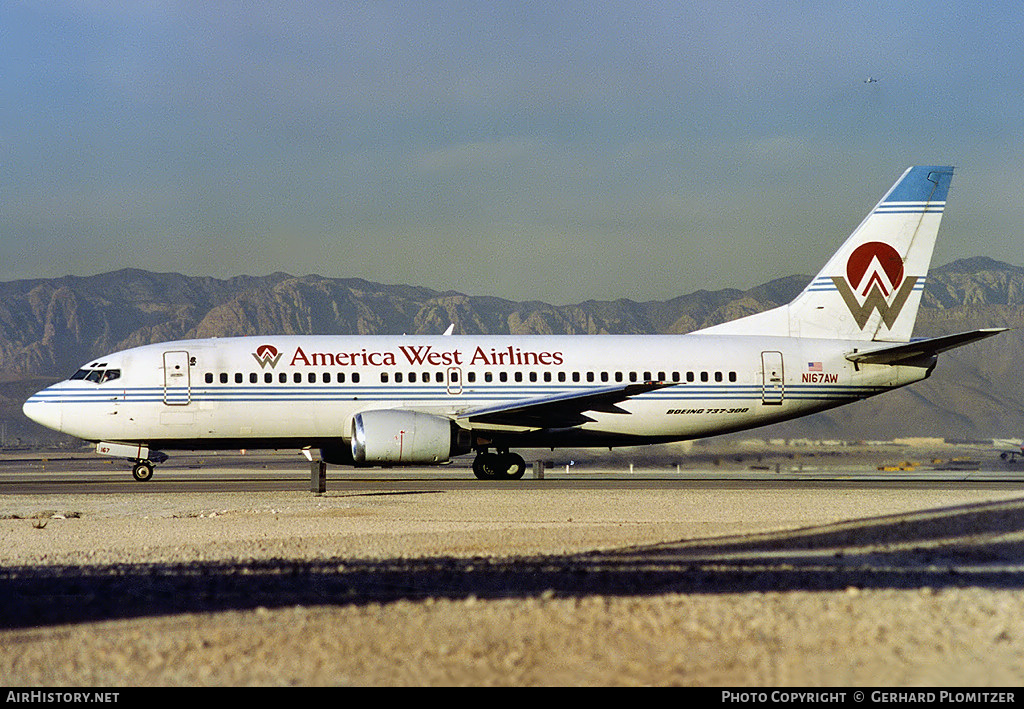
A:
(391, 437)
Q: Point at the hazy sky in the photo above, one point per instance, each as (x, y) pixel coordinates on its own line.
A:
(530, 150)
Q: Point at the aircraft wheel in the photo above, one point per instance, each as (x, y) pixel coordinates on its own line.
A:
(484, 467)
(499, 466)
(512, 466)
(142, 471)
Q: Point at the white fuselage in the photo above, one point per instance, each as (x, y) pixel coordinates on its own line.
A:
(304, 391)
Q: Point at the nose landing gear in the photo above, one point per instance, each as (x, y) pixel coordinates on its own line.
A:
(142, 470)
(142, 457)
(501, 465)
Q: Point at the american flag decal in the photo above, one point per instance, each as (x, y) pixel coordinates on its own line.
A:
(814, 366)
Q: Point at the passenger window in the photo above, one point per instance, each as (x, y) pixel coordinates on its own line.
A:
(283, 378)
(703, 376)
(297, 378)
(732, 376)
(268, 378)
(718, 376)
(253, 378)
(238, 377)
(223, 377)
(383, 377)
(209, 377)
(355, 378)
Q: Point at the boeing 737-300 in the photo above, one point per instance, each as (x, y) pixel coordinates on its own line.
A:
(421, 400)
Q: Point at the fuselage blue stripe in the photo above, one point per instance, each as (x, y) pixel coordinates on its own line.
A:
(439, 396)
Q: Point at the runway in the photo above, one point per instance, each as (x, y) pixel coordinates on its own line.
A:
(83, 473)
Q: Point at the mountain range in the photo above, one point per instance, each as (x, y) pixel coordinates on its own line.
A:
(50, 327)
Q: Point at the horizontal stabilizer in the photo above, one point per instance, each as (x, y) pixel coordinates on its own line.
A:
(899, 353)
(562, 410)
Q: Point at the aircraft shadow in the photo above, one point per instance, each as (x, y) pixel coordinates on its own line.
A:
(979, 545)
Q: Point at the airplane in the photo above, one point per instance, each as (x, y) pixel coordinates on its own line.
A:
(871, 80)
(1011, 448)
(422, 400)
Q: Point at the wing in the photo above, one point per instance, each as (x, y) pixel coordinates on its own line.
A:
(561, 410)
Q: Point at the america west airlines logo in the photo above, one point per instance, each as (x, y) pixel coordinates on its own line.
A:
(875, 281)
(267, 355)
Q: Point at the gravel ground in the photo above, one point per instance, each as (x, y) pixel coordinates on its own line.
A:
(760, 587)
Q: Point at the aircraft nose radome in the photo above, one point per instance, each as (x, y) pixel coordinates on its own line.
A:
(44, 413)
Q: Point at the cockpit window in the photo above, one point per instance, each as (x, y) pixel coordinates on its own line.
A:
(97, 376)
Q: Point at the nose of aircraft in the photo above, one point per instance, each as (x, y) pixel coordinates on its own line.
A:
(43, 412)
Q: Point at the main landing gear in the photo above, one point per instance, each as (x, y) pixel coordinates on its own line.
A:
(501, 465)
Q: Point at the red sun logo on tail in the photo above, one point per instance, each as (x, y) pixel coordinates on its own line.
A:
(865, 263)
(875, 280)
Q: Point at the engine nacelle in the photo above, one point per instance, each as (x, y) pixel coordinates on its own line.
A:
(402, 438)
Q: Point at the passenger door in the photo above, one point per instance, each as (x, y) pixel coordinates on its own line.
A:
(177, 379)
(773, 384)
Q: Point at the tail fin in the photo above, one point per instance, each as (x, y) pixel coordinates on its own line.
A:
(871, 287)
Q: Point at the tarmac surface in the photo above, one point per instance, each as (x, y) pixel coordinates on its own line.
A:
(751, 571)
